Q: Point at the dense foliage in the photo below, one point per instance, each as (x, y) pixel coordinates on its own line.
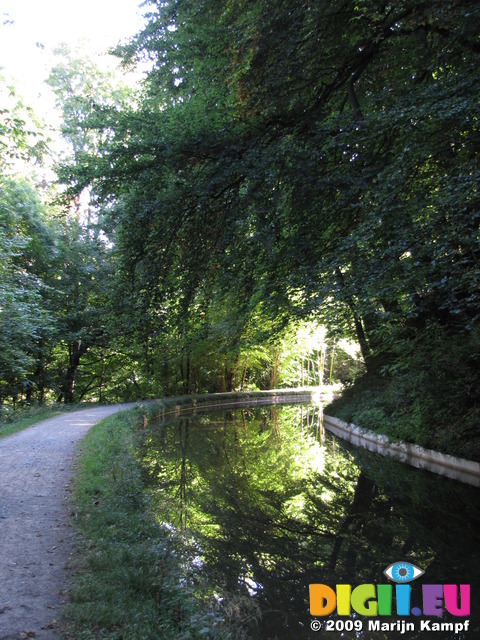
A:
(284, 162)
(54, 274)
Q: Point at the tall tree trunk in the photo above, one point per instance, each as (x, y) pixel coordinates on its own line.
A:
(244, 375)
(102, 373)
(76, 350)
(359, 329)
(332, 360)
(229, 376)
(185, 372)
(274, 374)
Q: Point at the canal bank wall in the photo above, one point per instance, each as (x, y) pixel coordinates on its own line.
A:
(466, 471)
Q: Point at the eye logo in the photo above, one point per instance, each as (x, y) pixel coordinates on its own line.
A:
(403, 572)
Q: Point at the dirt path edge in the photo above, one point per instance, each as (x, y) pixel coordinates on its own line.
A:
(36, 536)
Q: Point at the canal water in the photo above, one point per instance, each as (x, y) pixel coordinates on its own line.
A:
(267, 503)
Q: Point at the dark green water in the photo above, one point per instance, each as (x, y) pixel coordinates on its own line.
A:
(268, 503)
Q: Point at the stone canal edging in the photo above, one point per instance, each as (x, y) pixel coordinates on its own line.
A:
(466, 471)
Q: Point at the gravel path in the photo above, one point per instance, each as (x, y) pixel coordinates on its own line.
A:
(35, 534)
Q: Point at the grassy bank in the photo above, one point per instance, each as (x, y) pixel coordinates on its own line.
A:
(436, 415)
(12, 420)
(133, 576)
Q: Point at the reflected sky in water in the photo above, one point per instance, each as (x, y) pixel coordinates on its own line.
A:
(264, 502)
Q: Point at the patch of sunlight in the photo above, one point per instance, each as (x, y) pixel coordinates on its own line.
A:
(350, 347)
(316, 458)
(327, 495)
(295, 506)
(252, 587)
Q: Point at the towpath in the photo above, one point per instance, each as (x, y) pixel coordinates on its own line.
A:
(35, 534)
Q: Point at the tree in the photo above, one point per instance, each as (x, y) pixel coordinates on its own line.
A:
(305, 160)
(25, 321)
(20, 137)
(83, 271)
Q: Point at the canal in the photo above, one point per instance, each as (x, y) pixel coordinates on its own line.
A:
(264, 502)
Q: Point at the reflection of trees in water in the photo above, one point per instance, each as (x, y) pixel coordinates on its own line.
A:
(183, 440)
(273, 505)
(355, 521)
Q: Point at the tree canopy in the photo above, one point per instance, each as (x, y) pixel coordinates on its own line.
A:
(321, 157)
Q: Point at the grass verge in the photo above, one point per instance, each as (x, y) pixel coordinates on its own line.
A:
(13, 420)
(16, 420)
(132, 576)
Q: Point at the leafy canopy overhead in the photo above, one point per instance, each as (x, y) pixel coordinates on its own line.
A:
(318, 156)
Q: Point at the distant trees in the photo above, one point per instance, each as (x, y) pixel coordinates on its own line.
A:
(52, 295)
(55, 274)
(24, 321)
(24, 243)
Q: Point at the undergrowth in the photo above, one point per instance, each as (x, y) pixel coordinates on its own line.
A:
(13, 420)
(431, 397)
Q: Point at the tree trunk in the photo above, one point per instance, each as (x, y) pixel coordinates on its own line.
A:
(244, 375)
(185, 373)
(360, 331)
(229, 376)
(331, 361)
(102, 373)
(76, 350)
(274, 374)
